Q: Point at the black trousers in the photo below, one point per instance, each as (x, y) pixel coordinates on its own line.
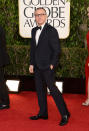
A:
(47, 76)
(4, 97)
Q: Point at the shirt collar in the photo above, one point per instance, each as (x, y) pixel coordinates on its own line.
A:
(42, 26)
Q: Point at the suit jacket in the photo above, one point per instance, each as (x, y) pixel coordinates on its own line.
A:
(47, 51)
(4, 58)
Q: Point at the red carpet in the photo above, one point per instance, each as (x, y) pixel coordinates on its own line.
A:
(25, 104)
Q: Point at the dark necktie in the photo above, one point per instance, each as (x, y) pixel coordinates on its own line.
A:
(38, 27)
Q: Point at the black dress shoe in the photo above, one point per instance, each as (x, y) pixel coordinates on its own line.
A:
(4, 107)
(45, 117)
(64, 120)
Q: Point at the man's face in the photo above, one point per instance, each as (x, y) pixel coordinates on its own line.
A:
(40, 16)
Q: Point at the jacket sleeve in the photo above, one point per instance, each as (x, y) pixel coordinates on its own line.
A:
(54, 45)
(31, 50)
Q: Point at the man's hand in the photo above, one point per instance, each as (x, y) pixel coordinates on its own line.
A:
(51, 67)
(88, 64)
(31, 69)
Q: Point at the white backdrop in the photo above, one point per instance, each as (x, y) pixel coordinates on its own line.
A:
(58, 12)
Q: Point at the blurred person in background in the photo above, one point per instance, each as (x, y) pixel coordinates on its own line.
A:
(4, 60)
(86, 103)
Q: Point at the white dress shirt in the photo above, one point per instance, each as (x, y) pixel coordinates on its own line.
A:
(38, 32)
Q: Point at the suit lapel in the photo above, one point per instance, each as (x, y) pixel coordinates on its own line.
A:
(34, 35)
(42, 33)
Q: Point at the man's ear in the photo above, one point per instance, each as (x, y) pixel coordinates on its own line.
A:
(88, 9)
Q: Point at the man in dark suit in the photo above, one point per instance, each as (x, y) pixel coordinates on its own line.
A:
(45, 49)
(4, 60)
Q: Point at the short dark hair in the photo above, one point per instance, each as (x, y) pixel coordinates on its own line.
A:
(40, 8)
